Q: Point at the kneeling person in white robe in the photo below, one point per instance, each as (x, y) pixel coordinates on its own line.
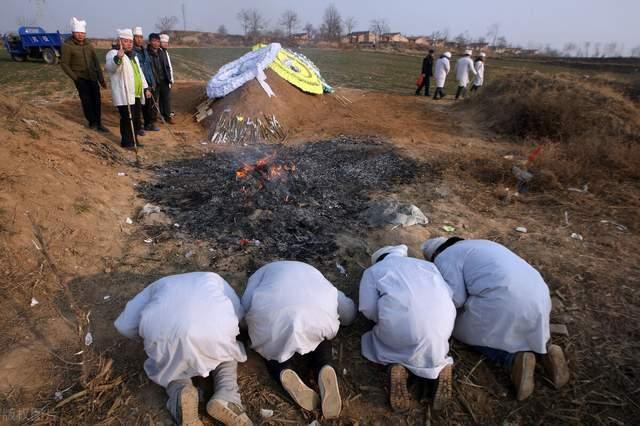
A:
(293, 312)
(504, 307)
(189, 324)
(414, 315)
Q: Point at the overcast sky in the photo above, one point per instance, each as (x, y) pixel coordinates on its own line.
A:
(552, 22)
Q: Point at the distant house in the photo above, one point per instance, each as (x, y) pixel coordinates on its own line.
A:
(360, 37)
(478, 46)
(529, 52)
(393, 38)
(420, 41)
(301, 38)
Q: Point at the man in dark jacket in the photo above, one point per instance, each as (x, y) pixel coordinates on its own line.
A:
(148, 109)
(427, 73)
(161, 75)
(80, 62)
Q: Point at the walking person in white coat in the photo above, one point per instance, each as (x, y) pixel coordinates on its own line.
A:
(128, 87)
(411, 305)
(504, 307)
(189, 324)
(442, 69)
(293, 313)
(479, 67)
(464, 67)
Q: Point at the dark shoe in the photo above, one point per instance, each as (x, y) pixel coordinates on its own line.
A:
(444, 391)
(140, 132)
(152, 128)
(169, 120)
(100, 128)
(92, 125)
(128, 147)
(427, 94)
(140, 145)
(522, 374)
(399, 397)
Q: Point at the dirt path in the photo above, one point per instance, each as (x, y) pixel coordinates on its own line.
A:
(461, 179)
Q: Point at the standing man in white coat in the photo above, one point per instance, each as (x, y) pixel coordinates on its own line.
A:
(128, 87)
(294, 312)
(504, 307)
(189, 325)
(464, 67)
(414, 315)
(479, 67)
(442, 69)
(164, 44)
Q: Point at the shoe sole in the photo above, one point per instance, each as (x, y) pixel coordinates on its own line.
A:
(555, 365)
(399, 397)
(527, 383)
(189, 406)
(302, 394)
(444, 391)
(226, 416)
(329, 393)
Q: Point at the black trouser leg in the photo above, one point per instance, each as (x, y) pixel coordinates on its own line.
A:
(275, 368)
(439, 93)
(474, 88)
(87, 93)
(459, 91)
(148, 111)
(419, 89)
(164, 99)
(136, 110)
(126, 135)
(426, 85)
(321, 356)
(97, 103)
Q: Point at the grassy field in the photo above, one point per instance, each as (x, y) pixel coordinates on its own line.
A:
(351, 68)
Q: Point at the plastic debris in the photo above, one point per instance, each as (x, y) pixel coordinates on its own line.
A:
(314, 423)
(266, 413)
(58, 396)
(584, 189)
(617, 225)
(449, 228)
(128, 221)
(189, 254)
(121, 174)
(176, 225)
(246, 242)
(344, 371)
(577, 236)
(392, 212)
(521, 229)
(148, 240)
(341, 269)
(88, 339)
(34, 302)
(106, 298)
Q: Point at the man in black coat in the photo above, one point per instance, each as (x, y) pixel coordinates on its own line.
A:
(161, 75)
(427, 73)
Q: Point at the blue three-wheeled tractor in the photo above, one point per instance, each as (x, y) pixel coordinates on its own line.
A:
(34, 43)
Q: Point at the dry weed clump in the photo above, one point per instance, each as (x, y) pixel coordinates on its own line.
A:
(587, 131)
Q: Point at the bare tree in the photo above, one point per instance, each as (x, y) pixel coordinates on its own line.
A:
(331, 27)
(493, 32)
(461, 39)
(569, 49)
(23, 21)
(379, 27)
(596, 50)
(350, 24)
(635, 52)
(166, 23)
(501, 42)
(222, 30)
(289, 21)
(310, 30)
(587, 45)
(252, 21)
(611, 50)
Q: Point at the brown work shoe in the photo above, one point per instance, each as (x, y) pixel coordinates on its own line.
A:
(444, 390)
(555, 365)
(399, 397)
(329, 392)
(522, 374)
(302, 394)
(228, 413)
(188, 407)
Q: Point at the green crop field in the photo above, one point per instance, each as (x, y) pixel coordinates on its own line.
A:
(389, 72)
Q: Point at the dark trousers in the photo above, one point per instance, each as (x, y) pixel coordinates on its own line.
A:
(502, 358)
(439, 93)
(317, 359)
(149, 110)
(461, 91)
(474, 88)
(126, 136)
(425, 84)
(89, 92)
(163, 96)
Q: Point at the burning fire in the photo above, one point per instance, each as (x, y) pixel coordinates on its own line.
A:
(264, 169)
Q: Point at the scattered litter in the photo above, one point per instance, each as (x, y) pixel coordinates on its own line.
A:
(189, 254)
(508, 157)
(245, 242)
(341, 269)
(448, 228)
(176, 225)
(314, 423)
(129, 221)
(30, 123)
(34, 302)
(617, 225)
(344, 371)
(577, 237)
(395, 213)
(88, 339)
(58, 396)
(522, 229)
(266, 413)
(559, 329)
(148, 209)
(148, 240)
(106, 298)
(566, 218)
(79, 353)
(523, 176)
(584, 189)
(121, 174)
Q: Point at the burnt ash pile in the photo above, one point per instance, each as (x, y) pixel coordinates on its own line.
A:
(291, 201)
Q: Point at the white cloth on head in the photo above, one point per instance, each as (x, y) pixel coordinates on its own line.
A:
(442, 69)
(447, 54)
(291, 308)
(400, 250)
(506, 302)
(138, 31)
(430, 246)
(164, 38)
(468, 52)
(126, 34)
(479, 80)
(122, 77)
(188, 323)
(483, 54)
(464, 66)
(78, 26)
(414, 315)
